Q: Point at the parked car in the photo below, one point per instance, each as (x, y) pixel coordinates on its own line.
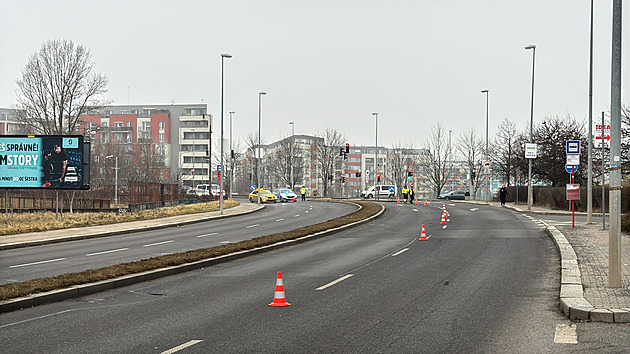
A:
(453, 195)
(265, 196)
(285, 195)
(385, 190)
(214, 189)
(202, 190)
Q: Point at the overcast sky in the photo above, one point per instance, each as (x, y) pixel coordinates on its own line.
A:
(330, 64)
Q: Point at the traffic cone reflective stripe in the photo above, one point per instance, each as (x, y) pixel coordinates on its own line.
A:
(279, 298)
(423, 234)
(443, 219)
(426, 202)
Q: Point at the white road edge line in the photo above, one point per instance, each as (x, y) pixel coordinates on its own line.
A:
(36, 263)
(105, 252)
(183, 346)
(210, 234)
(334, 282)
(280, 219)
(250, 226)
(158, 243)
(565, 334)
(400, 252)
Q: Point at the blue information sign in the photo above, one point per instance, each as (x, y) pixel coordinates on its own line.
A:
(570, 168)
(392, 189)
(573, 146)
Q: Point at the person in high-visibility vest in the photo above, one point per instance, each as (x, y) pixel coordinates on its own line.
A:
(405, 192)
(411, 195)
(303, 193)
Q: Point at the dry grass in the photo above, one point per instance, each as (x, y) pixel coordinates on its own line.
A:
(14, 290)
(45, 221)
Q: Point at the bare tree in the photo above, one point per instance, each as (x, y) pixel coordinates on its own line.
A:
(251, 141)
(327, 156)
(437, 158)
(502, 151)
(471, 148)
(400, 161)
(280, 162)
(57, 85)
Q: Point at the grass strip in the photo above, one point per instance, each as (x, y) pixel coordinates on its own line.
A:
(33, 286)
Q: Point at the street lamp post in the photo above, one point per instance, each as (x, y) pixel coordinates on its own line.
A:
(376, 193)
(530, 192)
(292, 143)
(223, 56)
(115, 179)
(193, 159)
(260, 94)
(487, 92)
(231, 158)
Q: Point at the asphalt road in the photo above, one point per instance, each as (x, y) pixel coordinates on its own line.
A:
(49, 260)
(488, 282)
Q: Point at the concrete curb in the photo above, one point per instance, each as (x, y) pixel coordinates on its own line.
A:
(572, 301)
(96, 234)
(92, 288)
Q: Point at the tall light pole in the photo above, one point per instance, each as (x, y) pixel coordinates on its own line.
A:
(260, 94)
(530, 191)
(231, 158)
(115, 179)
(487, 92)
(292, 144)
(223, 56)
(376, 193)
(193, 159)
(589, 190)
(450, 155)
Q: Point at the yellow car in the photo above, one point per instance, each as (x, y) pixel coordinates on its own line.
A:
(265, 196)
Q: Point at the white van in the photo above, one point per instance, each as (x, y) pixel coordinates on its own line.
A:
(202, 190)
(384, 190)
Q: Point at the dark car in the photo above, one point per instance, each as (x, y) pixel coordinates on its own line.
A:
(453, 195)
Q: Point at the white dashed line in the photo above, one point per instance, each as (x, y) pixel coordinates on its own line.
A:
(158, 243)
(183, 346)
(211, 234)
(400, 252)
(105, 252)
(36, 263)
(250, 226)
(280, 219)
(565, 334)
(334, 282)
(295, 216)
(415, 209)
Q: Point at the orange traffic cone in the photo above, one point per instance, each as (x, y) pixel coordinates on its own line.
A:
(426, 202)
(398, 199)
(443, 219)
(416, 201)
(278, 297)
(423, 234)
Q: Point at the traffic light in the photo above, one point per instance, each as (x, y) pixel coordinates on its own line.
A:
(357, 174)
(473, 175)
(232, 154)
(341, 152)
(330, 178)
(378, 177)
(340, 178)
(409, 174)
(345, 156)
(347, 148)
(343, 179)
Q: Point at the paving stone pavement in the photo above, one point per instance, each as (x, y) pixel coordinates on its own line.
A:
(590, 243)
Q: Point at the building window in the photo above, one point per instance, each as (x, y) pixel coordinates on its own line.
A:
(129, 124)
(118, 124)
(161, 137)
(162, 125)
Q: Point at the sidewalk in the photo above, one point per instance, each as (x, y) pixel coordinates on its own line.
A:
(584, 292)
(78, 233)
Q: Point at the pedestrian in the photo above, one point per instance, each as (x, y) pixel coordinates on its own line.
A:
(303, 193)
(503, 193)
(411, 195)
(405, 192)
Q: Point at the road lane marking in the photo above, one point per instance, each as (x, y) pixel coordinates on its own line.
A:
(36, 263)
(306, 211)
(474, 209)
(415, 210)
(158, 243)
(280, 219)
(565, 334)
(210, 234)
(295, 216)
(105, 252)
(334, 282)
(183, 346)
(250, 226)
(400, 252)
(444, 227)
(37, 318)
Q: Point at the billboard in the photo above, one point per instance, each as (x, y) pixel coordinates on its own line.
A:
(50, 161)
